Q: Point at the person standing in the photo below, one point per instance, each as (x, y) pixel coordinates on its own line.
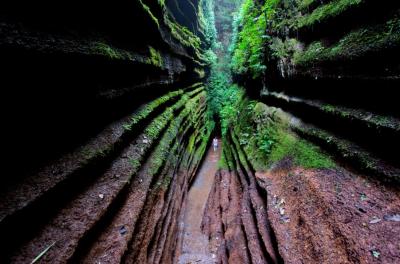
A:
(215, 144)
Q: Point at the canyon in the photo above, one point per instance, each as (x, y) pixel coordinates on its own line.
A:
(110, 110)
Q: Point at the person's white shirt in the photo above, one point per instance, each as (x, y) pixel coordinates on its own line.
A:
(215, 144)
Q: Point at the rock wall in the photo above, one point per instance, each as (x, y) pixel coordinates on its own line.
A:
(105, 125)
(105, 113)
(292, 212)
(334, 65)
(310, 172)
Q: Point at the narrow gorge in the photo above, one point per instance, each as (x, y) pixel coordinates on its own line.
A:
(110, 112)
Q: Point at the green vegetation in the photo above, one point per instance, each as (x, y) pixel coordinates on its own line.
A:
(262, 132)
(248, 45)
(147, 109)
(207, 20)
(90, 152)
(351, 152)
(238, 153)
(148, 11)
(355, 44)
(223, 98)
(227, 155)
(153, 131)
(329, 108)
(283, 49)
(303, 152)
(200, 72)
(135, 163)
(267, 139)
(144, 111)
(165, 182)
(179, 32)
(101, 48)
(261, 35)
(163, 148)
(155, 57)
(230, 106)
(326, 11)
(204, 137)
(252, 127)
(222, 163)
(297, 14)
(184, 35)
(107, 50)
(304, 4)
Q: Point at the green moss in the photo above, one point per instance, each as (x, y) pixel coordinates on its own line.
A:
(106, 50)
(184, 35)
(90, 152)
(287, 145)
(302, 152)
(135, 163)
(179, 32)
(283, 48)
(222, 163)
(254, 132)
(354, 45)
(385, 121)
(149, 108)
(207, 21)
(353, 153)
(200, 72)
(191, 143)
(228, 154)
(248, 48)
(266, 138)
(304, 4)
(370, 119)
(153, 131)
(229, 106)
(166, 182)
(239, 153)
(148, 11)
(204, 138)
(328, 108)
(163, 148)
(337, 111)
(326, 11)
(155, 57)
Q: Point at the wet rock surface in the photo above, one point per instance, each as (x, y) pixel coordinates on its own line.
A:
(195, 243)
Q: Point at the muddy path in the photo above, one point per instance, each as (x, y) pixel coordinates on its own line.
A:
(195, 244)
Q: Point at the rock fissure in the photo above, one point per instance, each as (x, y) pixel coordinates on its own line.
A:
(200, 131)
